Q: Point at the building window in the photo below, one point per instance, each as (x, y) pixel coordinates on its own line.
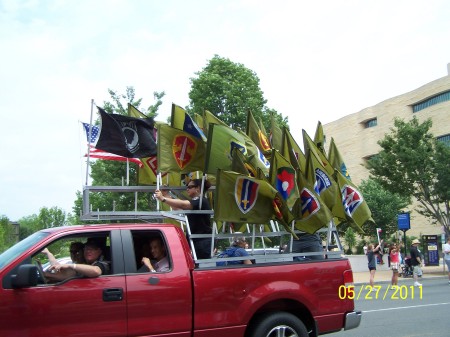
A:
(370, 123)
(442, 97)
(444, 139)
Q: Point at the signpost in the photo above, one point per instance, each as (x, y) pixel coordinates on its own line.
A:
(403, 222)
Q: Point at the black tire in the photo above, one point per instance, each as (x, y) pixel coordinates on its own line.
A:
(278, 324)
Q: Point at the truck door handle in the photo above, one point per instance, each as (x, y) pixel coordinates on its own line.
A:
(112, 294)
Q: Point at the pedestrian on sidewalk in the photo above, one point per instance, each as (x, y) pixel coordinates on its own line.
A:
(394, 258)
(446, 250)
(372, 264)
(416, 261)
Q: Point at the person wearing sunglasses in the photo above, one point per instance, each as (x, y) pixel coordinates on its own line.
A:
(198, 223)
(77, 252)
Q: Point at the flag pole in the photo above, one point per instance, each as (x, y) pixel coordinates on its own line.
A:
(89, 142)
(128, 172)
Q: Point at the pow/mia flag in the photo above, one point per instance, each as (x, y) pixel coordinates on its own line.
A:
(126, 136)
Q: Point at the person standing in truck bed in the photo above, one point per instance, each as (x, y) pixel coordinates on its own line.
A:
(198, 223)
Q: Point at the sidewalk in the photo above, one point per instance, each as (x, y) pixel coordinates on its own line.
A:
(383, 276)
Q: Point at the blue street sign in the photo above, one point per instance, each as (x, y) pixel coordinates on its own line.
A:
(403, 221)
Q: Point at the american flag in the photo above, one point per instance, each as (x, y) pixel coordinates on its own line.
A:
(100, 154)
(94, 132)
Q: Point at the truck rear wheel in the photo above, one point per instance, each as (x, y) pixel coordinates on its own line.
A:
(279, 324)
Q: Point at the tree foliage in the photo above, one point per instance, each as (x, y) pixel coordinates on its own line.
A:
(412, 163)
(350, 238)
(229, 90)
(6, 239)
(114, 173)
(47, 218)
(384, 205)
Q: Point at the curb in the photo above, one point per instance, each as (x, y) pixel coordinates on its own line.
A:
(383, 280)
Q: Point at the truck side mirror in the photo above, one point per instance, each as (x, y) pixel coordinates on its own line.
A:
(27, 276)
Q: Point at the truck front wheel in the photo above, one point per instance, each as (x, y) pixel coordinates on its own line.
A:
(279, 324)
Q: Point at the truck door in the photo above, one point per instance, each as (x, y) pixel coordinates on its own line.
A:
(75, 307)
(159, 303)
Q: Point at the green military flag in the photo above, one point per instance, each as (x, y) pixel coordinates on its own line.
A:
(336, 160)
(219, 150)
(324, 184)
(292, 151)
(179, 151)
(134, 112)
(283, 177)
(257, 135)
(239, 164)
(309, 145)
(221, 142)
(181, 120)
(354, 204)
(309, 210)
(276, 135)
(210, 118)
(243, 199)
(255, 156)
(319, 138)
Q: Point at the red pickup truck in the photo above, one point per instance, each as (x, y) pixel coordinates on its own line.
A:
(284, 298)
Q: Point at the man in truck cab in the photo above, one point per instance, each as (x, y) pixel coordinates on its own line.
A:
(95, 265)
(159, 263)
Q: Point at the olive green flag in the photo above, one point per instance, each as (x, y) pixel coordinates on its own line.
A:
(257, 135)
(283, 178)
(336, 160)
(134, 112)
(179, 151)
(243, 199)
(210, 118)
(292, 151)
(310, 211)
(319, 138)
(181, 120)
(324, 184)
(309, 145)
(240, 165)
(255, 156)
(276, 135)
(219, 149)
(354, 204)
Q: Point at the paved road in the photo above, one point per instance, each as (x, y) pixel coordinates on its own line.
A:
(401, 315)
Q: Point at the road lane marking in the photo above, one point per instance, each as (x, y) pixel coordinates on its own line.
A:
(410, 307)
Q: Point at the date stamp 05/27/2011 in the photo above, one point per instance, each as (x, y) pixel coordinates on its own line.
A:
(368, 292)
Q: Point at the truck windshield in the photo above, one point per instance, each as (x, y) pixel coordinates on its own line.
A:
(10, 254)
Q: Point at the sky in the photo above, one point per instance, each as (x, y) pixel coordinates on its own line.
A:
(316, 61)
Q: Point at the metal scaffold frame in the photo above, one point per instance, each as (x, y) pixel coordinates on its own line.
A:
(333, 248)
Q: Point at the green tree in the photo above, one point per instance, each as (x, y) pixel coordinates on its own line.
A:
(384, 205)
(113, 173)
(5, 233)
(47, 218)
(412, 163)
(350, 238)
(229, 90)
